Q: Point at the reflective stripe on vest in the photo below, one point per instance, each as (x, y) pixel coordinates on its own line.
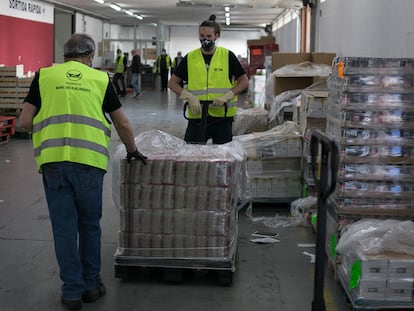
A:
(70, 125)
(211, 83)
(120, 66)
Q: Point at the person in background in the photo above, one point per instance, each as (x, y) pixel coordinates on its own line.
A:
(163, 65)
(119, 76)
(213, 74)
(136, 72)
(177, 60)
(65, 111)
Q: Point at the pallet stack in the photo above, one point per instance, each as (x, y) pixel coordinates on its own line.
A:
(13, 89)
(181, 206)
(7, 128)
(274, 163)
(371, 113)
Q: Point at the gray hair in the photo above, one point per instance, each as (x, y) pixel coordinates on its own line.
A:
(79, 45)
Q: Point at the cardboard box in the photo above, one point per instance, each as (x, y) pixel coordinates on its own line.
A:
(273, 166)
(371, 289)
(276, 187)
(262, 41)
(400, 269)
(399, 290)
(279, 60)
(323, 58)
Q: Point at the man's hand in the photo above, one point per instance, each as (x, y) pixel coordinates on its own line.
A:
(136, 155)
(220, 101)
(193, 101)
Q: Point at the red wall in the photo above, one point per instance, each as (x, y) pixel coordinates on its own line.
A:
(32, 41)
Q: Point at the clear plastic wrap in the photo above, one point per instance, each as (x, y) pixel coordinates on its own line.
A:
(373, 83)
(303, 208)
(376, 172)
(183, 203)
(372, 65)
(173, 162)
(375, 188)
(274, 161)
(304, 69)
(250, 120)
(376, 236)
(377, 261)
(281, 101)
(386, 205)
(281, 141)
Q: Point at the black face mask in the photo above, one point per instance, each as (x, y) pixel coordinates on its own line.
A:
(207, 45)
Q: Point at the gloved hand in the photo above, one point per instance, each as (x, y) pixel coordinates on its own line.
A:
(136, 155)
(220, 101)
(193, 101)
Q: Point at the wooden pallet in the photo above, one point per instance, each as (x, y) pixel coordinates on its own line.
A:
(7, 128)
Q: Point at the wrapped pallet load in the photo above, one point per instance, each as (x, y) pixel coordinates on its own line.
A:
(182, 205)
(377, 262)
(274, 159)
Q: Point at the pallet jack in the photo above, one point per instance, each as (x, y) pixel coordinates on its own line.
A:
(325, 182)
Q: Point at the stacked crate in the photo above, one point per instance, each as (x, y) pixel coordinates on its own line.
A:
(7, 128)
(274, 163)
(371, 113)
(179, 207)
(13, 89)
(312, 116)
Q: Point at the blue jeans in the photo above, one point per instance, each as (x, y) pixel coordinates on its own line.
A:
(74, 198)
(136, 82)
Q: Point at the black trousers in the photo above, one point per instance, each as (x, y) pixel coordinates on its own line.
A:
(164, 79)
(119, 77)
(218, 129)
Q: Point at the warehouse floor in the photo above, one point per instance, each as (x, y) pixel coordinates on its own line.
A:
(269, 277)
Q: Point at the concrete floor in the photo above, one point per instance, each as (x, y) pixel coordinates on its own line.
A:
(269, 277)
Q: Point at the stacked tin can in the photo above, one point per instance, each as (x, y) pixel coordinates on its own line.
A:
(371, 115)
(179, 205)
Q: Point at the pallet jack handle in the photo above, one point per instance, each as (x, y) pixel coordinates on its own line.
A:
(325, 183)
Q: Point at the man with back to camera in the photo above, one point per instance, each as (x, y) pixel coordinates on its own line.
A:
(65, 110)
(213, 74)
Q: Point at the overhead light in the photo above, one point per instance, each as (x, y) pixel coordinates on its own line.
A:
(115, 7)
(100, 1)
(139, 17)
(129, 12)
(227, 14)
(226, 9)
(184, 3)
(227, 21)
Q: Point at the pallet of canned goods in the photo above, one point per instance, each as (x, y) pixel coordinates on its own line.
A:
(179, 211)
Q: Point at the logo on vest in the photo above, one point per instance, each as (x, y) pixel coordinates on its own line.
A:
(74, 75)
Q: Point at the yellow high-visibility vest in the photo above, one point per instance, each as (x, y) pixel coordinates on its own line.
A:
(212, 82)
(120, 66)
(70, 125)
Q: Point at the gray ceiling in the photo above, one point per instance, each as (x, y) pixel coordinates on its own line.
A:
(243, 13)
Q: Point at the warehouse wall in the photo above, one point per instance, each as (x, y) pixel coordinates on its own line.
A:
(376, 28)
(288, 36)
(26, 32)
(185, 39)
(63, 27)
